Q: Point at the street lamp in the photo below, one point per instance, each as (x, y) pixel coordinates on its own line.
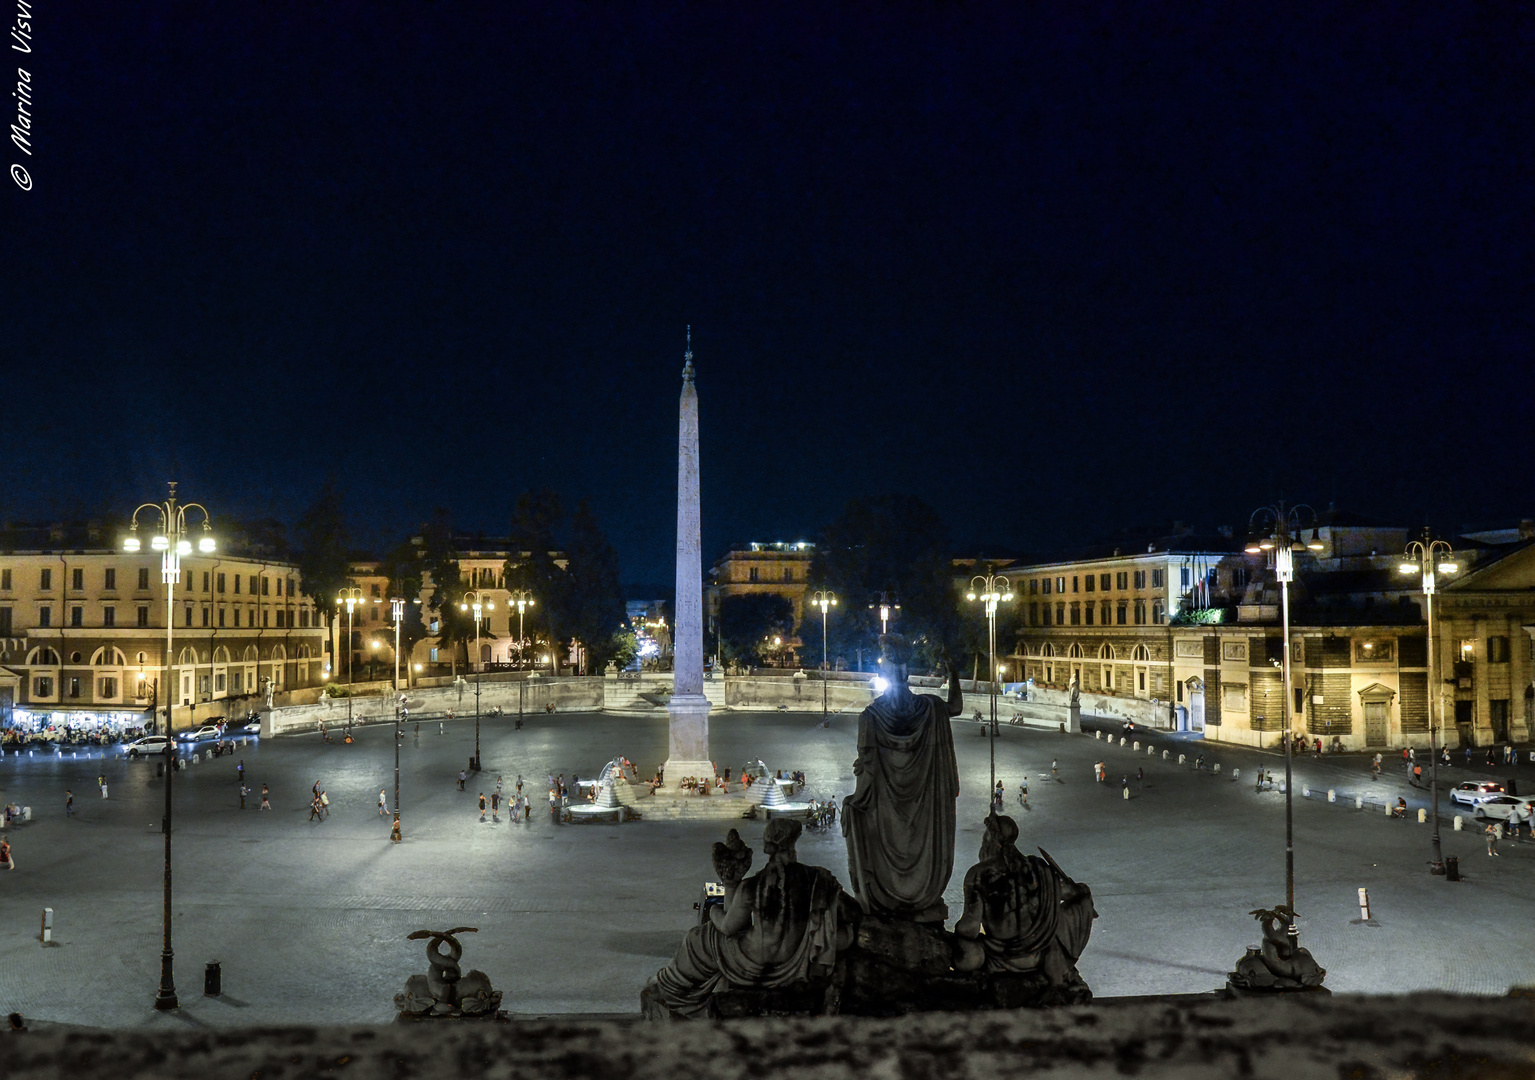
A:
(887, 608)
(352, 598)
(524, 600)
(1277, 530)
(475, 601)
(991, 589)
(1423, 557)
(824, 599)
(171, 538)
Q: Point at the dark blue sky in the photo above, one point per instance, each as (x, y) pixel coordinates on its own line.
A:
(1059, 270)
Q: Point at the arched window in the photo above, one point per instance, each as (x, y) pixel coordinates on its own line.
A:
(1142, 653)
(1047, 649)
(188, 658)
(279, 653)
(1075, 652)
(221, 654)
(43, 656)
(1105, 651)
(107, 656)
(303, 652)
(250, 654)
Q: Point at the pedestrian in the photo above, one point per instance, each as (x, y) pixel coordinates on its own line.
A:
(1258, 783)
(1444, 756)
(495, 806)
(314, 791)
(1124, 782)
(314, 809)
(383, 803)
(1508, 753)
(1492, 838)
(1140, 777)
(1406, 752)
(1468, 757)
(1375, 768)
(244, 791)
(101, 782)
(69, 803)
(519, 783)
(1055, 771)
(266, 803)
(1417, 775)
(1023, 794)
(6, 859)
(482, 806)
(240, 771)
(462, 776)
(498, 783)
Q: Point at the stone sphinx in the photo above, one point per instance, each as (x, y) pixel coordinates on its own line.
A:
(445, 992)
(899, 821)
(1023, 914)
(781, 928)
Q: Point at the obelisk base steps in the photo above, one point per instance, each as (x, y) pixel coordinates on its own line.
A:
(688, 738)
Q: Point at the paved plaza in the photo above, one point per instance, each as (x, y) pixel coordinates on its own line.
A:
(309, 919)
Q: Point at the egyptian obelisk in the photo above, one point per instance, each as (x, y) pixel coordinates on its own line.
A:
(688, 741)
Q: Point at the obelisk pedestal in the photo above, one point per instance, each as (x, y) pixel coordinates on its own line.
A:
(688, 735)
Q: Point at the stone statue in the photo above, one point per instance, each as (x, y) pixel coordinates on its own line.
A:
(1279, 963)
(779, 928)
(899, 821)
(1076, 690)
(271, 689)
(445, 991)
(1024, 914)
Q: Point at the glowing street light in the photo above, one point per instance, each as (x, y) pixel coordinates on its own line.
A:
(352, 598)
(824, 599)
(170, 539)
(887, 609)
(524, 600)
(991, 590)
(1424, 557)
(475, 601)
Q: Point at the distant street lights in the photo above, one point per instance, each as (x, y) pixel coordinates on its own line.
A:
(475, 601)
(824, 599)
(352, 598)
(524, 600)
(1277, 530)
(887, 608)
(171, 539)
(1423, 557)
(991, 589)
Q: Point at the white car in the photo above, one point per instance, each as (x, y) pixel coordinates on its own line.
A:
(206, 732)
(1474, 792)
(1503, 806)
(149, 744)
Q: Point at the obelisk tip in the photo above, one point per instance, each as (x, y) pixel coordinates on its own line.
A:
(687, 367)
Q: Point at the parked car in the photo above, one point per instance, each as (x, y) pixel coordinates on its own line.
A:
(1501, 806)
(207, 731)
(1474, 792)
(149, 744)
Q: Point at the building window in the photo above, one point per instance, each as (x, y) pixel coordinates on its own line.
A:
(1121, 611)
(1090, 582)
(221, 618)
(143, 577)
(1074, 580)
(189, 616)
(206, 615)
(1158, 613)
(109, 616)
(74, 687)
(788, 574)
(432, 627)
(5, 580)
(106, 687)
(5, 622)
(265, 585)
(236, 584)
(45, 617)
(1497, 650)
(109, 579)
(1033, 585)
(1033, 614)
(1121, 580)
(1156, 579)
(1047, 614)
(279, 587)
(143, 616)
(219, 581)
(1060, 585)
(1140, 579)
(265, 618)
(1140, 613)
(1239, 577)
(1107, 613)
(45, 578)
(375, 588)
(751, 573)
(1044, 586)
(303, 617)
(218, 682)
(1087, 611)
(1140, 680)
(1060, 613)
(1374, 651)
(1076, 614)
(77, 616)
(433, 655)
(42, 686)
(1184, 582)
(236, 616)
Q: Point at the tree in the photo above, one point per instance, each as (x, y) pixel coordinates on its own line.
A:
(439, 563)
(402, 564)
(324, 561)
(897, 545)
(594, 596)
(749, 622)
(533, 567)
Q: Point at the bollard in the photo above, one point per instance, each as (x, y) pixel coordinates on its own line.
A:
(1136, 746)
(1332, 796)
(1180, 758)
(1164, 755)
(1358, 802)
(213, 979)
(46, 937)
(1097, 734)
(1422, 815)
(1305, 791)
(1388, 809)
(1121, 740)
(1236, 774)
(1150, 749)
(1364, 905)
(1459, 822)
(1217, 769)
(26, 813)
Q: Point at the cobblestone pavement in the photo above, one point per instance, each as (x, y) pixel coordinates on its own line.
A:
(309, 918)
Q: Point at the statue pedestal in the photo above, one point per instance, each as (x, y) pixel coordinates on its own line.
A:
(688, 738)
(1074, 719)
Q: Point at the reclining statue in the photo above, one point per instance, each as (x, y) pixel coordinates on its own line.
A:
(781, 927)
(1024, 914)
(1279, 963)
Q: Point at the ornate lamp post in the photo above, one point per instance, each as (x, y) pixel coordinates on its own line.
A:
(397, 611)
(1277, 530)
(887, 608)
(352, 598)
(475, 601)
(1423, 557)
(524, 600)
(991, 589)
(171, 538)
(824, 599)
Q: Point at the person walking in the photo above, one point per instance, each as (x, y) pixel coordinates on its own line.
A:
(482, 806)
(462, 776)
(244, 791)
(6, 859)
(383, 803)
(1491, 833)
(314, 809)
(1417, 775)
(498, 783)
(101, 782)
(240, 771)
(266, 804)
(1055, 769)
(1023, 794)
(69, 803)
(1140, 777)
(1375, 769)
(495, 805)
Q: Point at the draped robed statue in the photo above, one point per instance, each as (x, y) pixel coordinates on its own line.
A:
(899, 821)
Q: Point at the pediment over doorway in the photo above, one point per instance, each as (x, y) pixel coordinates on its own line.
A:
(1377, 692)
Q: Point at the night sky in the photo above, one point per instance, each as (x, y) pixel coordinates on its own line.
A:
(1059, 269)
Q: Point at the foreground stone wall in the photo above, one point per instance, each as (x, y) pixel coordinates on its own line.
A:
(1368, 1038)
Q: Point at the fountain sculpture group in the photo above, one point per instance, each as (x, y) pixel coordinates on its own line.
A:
(790, 939)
